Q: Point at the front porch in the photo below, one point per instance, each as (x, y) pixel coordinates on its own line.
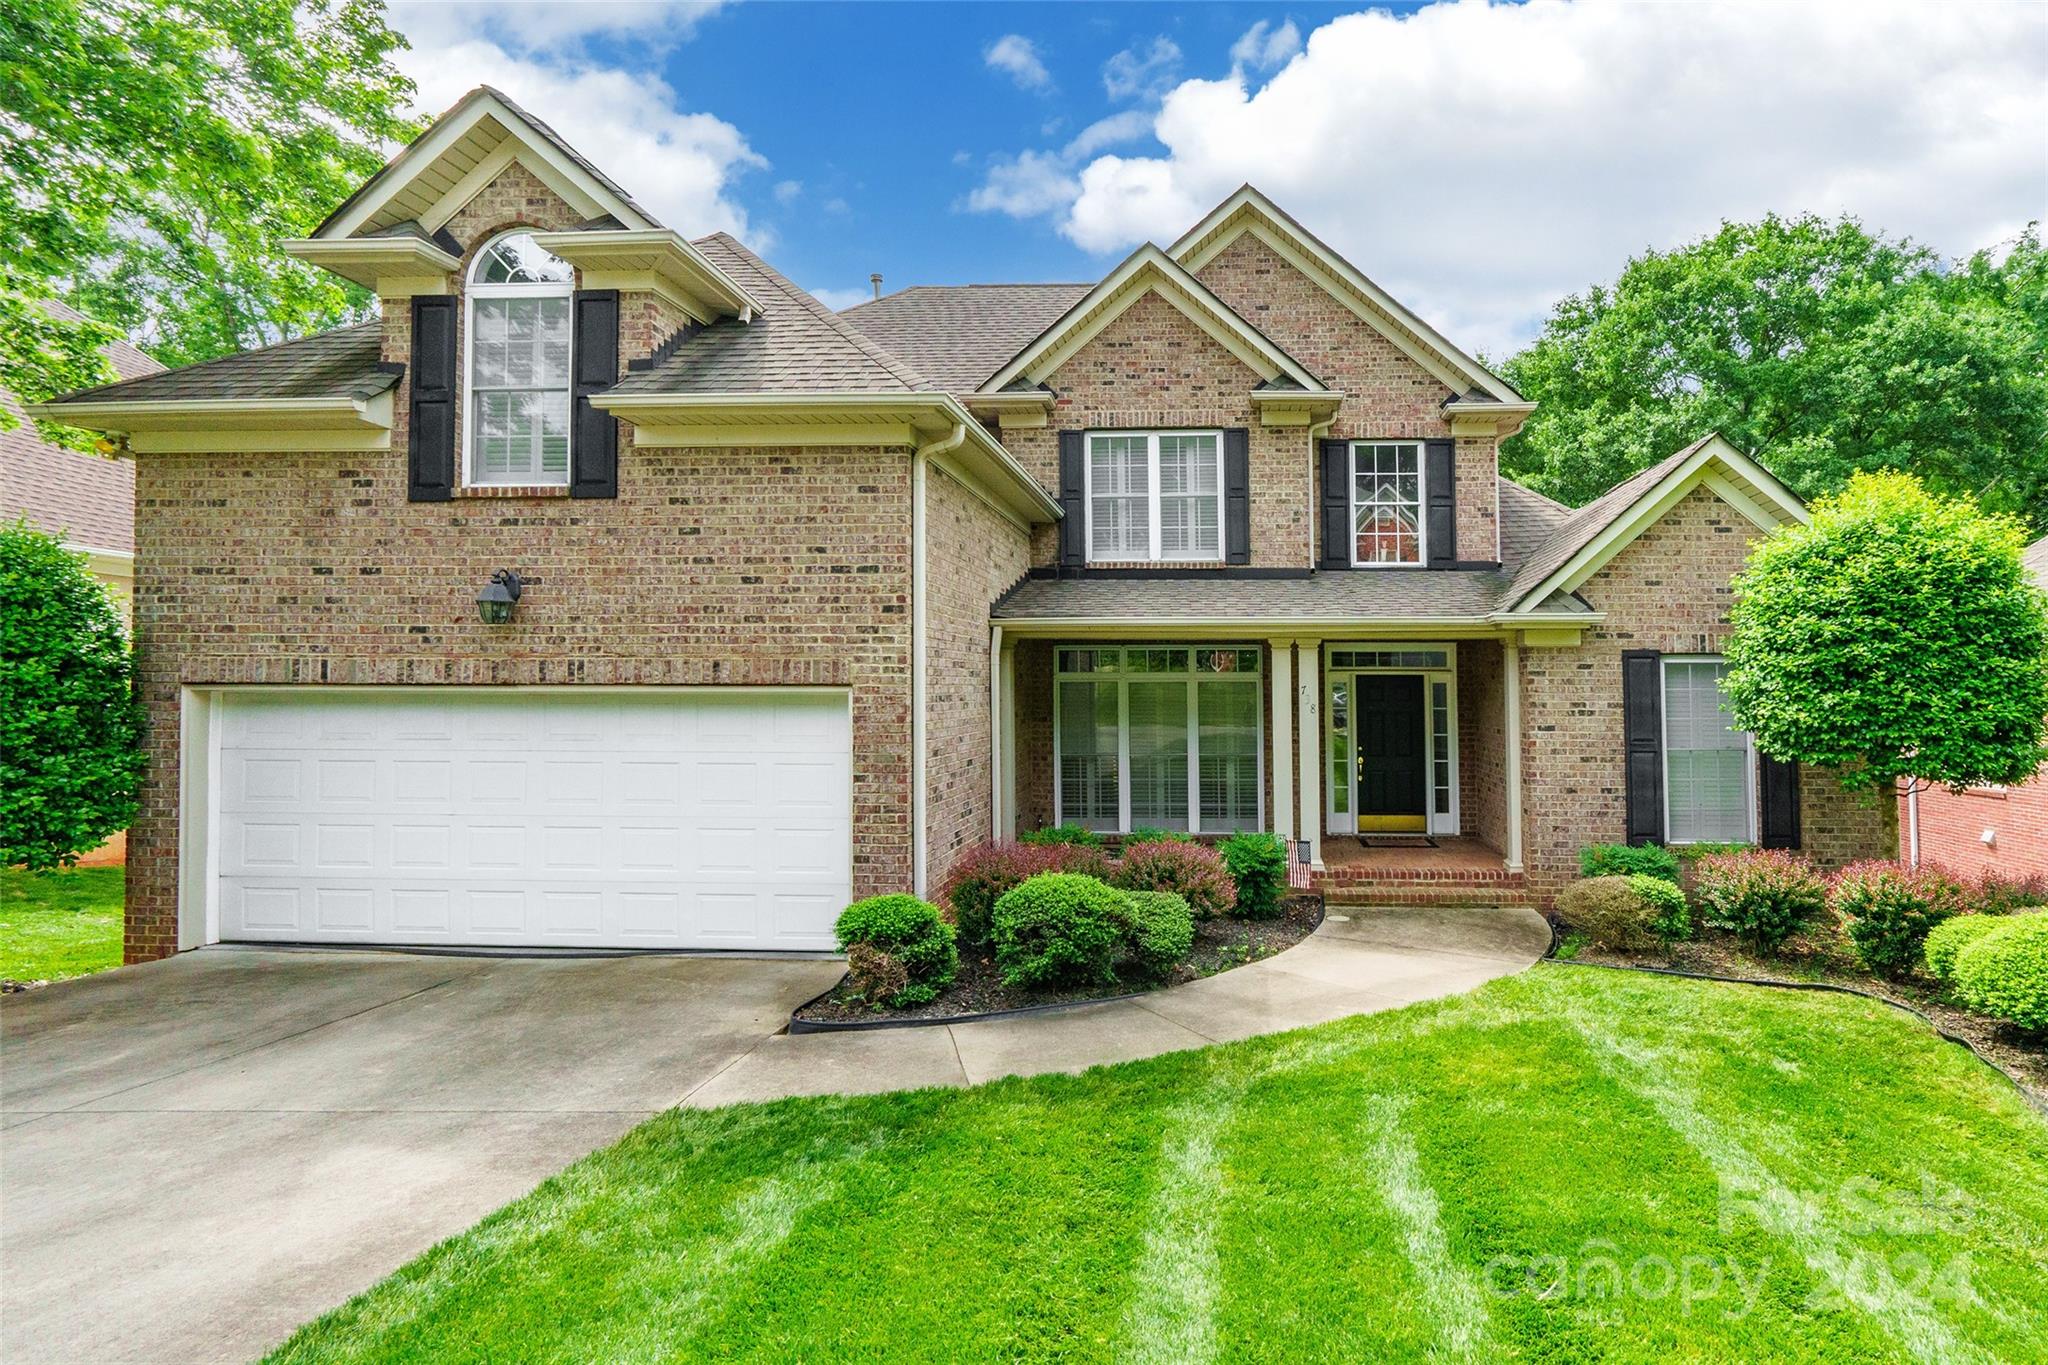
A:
(1451, 870)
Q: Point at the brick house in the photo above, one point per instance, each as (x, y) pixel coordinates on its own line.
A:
(1997, 831)
(811, 602)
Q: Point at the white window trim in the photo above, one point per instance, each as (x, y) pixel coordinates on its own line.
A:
(471, 292)
(1153, 496)
(1335, 821)
(1421, 504)
(1749, 766)
(1257, 681)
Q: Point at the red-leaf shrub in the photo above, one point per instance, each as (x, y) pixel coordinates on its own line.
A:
(1887, 908)
(984, 872)
(1194, 872)
(1764, 896)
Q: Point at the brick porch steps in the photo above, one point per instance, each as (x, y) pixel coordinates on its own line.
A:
(1459, 871)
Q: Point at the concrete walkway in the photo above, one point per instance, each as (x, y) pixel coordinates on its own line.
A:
(1357, 962)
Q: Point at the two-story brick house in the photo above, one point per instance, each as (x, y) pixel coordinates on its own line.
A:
(808, 603)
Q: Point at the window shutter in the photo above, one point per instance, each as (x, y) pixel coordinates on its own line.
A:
(1642, 709)
(1440, 485)
(1336, 505)
(1237, 495)
(1074, 524)
(430, 419)
(1778, 783)
(594, 433)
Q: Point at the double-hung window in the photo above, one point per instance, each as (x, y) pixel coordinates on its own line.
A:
(1155, 496)
(517, 427)
(1709, 765)
(1386, 503)
(1160, 736)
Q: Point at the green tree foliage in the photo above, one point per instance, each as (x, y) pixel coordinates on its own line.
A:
(156, 153)
(70, 727)
(1898, 635)
(1818, 346)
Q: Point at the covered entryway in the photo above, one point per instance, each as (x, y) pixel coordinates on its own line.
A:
(590, 817)
(1389, 727)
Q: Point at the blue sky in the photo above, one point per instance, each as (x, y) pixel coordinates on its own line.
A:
(1478, 160)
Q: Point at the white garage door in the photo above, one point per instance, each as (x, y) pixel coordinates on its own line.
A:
(612, 818)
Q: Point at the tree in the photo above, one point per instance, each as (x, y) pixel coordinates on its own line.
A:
(70, 727)
(153, 155)
(1818, 346)
(1896, 636)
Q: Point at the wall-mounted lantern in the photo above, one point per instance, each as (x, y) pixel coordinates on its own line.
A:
(494, 604)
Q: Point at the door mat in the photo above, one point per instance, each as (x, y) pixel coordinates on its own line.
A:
(1397, 841)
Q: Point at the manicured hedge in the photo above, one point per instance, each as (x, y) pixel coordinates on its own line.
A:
(2005, 973)
(899, 951)
(1160, 931)
(1059, 928)
(1950, 937)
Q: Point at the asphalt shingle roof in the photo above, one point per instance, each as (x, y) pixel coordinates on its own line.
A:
(961, 334)
(339, 364)
(1527, 519)
(1577, 530)
(794, 345)
(1353, 594)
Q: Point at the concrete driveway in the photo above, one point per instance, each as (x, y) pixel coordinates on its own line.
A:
(198, 1155)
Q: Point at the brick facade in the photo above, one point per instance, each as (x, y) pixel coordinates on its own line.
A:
(1953, 825)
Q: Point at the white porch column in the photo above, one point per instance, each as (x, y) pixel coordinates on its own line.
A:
(1511, 671)
(1006, 742)
(1283, 733)
(1308, 711)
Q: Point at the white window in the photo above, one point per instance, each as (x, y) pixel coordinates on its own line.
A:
(517, 333)
(1166, 736)
(1386, 503)
(1155, 495)
(1709, 765)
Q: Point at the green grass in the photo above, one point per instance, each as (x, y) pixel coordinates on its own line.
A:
(1567, 1165)
(56, 925)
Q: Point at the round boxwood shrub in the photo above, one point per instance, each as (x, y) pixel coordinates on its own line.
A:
(1160, 933)
(1951, 936)
(1194, 872)
(1258, 864)
(2005, 973)
(910, 933)
(1669, 919)
(1611, 911)
(982, 874)
(1626, 860)
(1763, 896)
(1887, 909)
(1059, 928)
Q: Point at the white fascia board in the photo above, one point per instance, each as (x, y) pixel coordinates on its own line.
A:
(1455, 627)
(669, 254)
(369, 260)
(130, 415)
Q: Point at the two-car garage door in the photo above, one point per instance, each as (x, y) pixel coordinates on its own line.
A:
(600, 817)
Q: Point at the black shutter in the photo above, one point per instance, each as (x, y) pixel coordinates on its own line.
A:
(1336, 506)
(1642, 710)
(1237, 495)
(1073, 525)
(1440, 484)
(593, 432)
(1779, 785)
(430, 420)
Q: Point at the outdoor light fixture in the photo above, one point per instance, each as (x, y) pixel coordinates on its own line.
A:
(494, 604)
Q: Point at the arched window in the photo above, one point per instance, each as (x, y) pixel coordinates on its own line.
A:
(518, 337)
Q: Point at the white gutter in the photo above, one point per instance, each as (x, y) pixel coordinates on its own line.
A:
(1295, 624)
(920, 636)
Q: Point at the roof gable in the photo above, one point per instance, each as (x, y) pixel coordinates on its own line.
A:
(1148, 270)
(1250, 211)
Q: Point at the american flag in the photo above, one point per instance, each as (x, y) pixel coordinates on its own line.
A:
(1297, 867)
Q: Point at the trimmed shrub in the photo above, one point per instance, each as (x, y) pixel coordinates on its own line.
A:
(2005, 973)
(1950, 937)
(1145, 834)
(2000, 895)
(1161, 930)
(1669, 919)
(909, 931)
(1062, 834)
(1887, 908)
(983, 873)
(1763, 896)
(1627, 860)
(1258, 864)
(1194, 872)
(1612, 911)
(1059, 928)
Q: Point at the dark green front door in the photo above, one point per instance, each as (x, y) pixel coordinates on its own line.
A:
(1393, 770)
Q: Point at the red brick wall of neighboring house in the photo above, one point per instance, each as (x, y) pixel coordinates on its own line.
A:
(1667, 591)
(1953, 825)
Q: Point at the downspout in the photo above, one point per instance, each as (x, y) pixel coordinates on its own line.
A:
(1913, 821)
(920, 635)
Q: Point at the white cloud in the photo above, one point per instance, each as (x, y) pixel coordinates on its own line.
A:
(1128, 126)
(1264, 47)
(788, 191)
(1480, 161)
(1132, 74)
(837, 299)
(1025, 186)
(629, 123)
(1017, 56)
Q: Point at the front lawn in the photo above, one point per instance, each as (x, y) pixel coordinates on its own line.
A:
(59, 924)
(1565, 1165)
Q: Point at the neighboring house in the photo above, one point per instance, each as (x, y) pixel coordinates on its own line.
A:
(1998, 830)
(813, 602)
(86, 500)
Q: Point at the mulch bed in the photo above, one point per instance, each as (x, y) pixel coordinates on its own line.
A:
(2020, 1055)
(1220, 944)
